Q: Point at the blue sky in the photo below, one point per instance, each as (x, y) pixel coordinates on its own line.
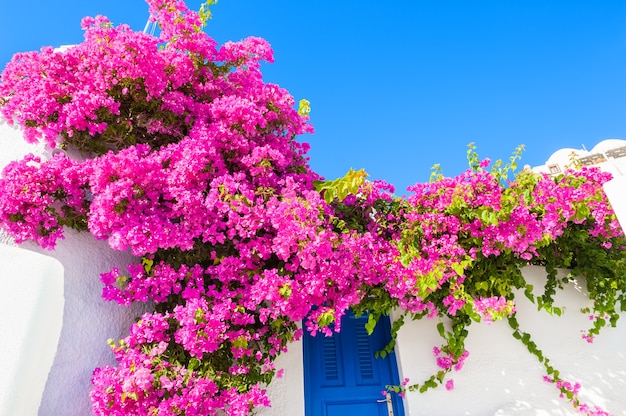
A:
(396, 87)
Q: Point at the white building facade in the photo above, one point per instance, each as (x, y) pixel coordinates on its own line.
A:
(608, 155)
(500, 377)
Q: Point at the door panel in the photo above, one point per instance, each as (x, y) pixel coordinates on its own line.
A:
(342, 376)
(333, 374)
(353, 407)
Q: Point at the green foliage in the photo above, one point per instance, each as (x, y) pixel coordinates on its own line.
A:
(304, 107)
(488, 276)
(205, 11)
(340, 188)
(326, 318)
(502, 172)
(597, 261)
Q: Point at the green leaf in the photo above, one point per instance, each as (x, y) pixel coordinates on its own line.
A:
(304, 107)
(147, 264)
(458, 268)
(326, 318)
(370, 324)
(285, 291)
(193, 364)
(528, 292)
(340, 188)
(441, 329)
(129, 395)
(240, 342)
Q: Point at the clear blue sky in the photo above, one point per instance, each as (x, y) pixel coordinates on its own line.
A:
(398, 86)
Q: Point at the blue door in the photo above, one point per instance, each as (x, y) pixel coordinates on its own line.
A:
(341, 375)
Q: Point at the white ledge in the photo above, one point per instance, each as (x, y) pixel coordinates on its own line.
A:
(32, 318)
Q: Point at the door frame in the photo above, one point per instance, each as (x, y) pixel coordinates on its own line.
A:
(308, 357)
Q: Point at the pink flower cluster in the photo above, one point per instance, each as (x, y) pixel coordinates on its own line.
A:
(571, 391)
(190, 162)
(233, 306)
(493, 308)
(39, 198)
(119, 87)
(472, 217)
(447, 361)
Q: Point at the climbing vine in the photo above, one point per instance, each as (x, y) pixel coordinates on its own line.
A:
(175, 149)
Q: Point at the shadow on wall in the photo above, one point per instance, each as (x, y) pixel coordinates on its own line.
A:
(501, 378)
(55, 326)
(88, 321)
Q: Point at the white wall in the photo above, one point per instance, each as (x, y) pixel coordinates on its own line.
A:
(287, 392)
(500, 377)
(32, 317)
(88, 321)
(615, 190)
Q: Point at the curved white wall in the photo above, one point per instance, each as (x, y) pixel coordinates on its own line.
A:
(31, 314)
(88, 321)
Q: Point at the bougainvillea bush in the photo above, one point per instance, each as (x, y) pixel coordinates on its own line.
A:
(176, 149)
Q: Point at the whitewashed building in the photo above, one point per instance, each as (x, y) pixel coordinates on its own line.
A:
(609, 155)
(54, 327)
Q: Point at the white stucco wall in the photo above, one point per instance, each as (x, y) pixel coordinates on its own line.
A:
(88, 321)
(500, 377)
(287, 392)
(31, 314)
(615, 190)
